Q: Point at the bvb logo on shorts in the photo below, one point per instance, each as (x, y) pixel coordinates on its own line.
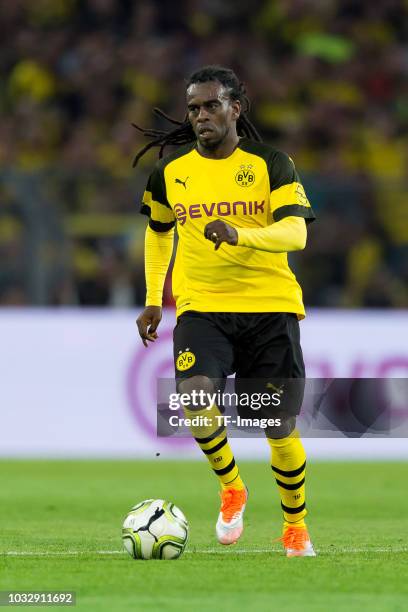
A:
(245, 177)
(185, 360)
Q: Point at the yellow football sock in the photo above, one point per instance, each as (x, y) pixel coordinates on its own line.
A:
(212, 439)
(288, 462)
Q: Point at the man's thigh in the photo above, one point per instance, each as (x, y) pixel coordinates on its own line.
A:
(201, 348)
(270, 362)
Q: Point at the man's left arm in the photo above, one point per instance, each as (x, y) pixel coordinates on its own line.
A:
(286, 235)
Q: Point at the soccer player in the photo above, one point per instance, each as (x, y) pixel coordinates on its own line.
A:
(239, 208)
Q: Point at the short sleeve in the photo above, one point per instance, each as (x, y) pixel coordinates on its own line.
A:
(288, 197)
(155, 204)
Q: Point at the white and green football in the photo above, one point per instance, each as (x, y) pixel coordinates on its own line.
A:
(155, 529)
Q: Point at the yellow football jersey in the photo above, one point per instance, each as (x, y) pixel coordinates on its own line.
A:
(254, 187)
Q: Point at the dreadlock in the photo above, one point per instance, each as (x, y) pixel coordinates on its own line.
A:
(183, 133)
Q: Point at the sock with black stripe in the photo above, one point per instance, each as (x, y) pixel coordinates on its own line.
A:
(213, 441)
(288, 462)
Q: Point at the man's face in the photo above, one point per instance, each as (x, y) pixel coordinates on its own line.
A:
(211, 112)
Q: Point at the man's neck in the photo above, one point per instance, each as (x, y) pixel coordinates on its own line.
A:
(222, 151)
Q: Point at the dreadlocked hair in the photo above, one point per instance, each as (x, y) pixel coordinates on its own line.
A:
(183, 133)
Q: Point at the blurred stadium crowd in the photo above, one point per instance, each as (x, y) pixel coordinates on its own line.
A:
(328, 85)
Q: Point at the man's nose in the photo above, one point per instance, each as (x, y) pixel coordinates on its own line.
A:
(202, 114)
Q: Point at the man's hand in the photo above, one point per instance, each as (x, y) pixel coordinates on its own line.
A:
(148, 322)
(219, 232)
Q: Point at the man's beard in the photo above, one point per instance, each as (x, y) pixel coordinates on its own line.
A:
(210, 146)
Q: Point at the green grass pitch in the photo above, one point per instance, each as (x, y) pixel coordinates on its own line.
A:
(61, 530)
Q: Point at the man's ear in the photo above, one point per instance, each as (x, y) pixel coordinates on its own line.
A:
(236, 109)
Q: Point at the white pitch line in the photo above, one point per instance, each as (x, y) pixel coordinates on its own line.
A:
(208, 551)
(332, 551)
(59, 553)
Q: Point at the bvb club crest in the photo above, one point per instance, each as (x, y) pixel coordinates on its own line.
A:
(245, 176)
(185, 360)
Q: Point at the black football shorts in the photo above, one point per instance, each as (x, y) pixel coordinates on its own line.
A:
(262, 349)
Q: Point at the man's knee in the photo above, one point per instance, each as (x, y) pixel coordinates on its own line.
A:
(198, 387)
(283, 430)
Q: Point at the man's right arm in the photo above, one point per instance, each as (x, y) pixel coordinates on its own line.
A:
(159, 240)
(158, 252)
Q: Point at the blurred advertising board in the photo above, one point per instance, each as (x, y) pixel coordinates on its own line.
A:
(79, 383)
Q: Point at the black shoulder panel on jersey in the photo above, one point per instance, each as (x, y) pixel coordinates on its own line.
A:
(257, 148)
(294, 210)
(281, 169)
(156, 186)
